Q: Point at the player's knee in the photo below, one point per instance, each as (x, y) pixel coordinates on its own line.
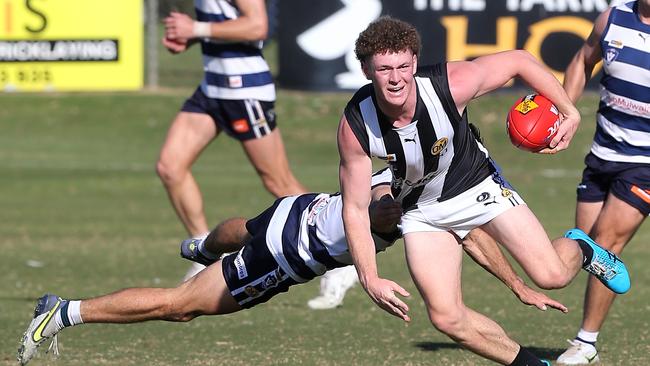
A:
(552, 278)
(177, 309)
(169, 173)
(450, 323)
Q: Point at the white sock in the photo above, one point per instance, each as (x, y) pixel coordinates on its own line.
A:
(203, 250)
(589, 337)
(68, 315)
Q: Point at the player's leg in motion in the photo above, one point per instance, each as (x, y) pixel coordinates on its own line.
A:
(436, 271)
(612, 225)
(204, 294)
(227, 237)
(268, 156)
(554, 265)
(188, 135)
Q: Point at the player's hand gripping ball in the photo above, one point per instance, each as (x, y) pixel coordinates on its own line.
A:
(532, 122)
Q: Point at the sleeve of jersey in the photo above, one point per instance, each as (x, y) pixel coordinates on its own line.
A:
(355, 120)
(438, 75)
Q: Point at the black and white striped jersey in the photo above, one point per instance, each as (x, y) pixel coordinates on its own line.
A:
(436, 156)
(306, 236)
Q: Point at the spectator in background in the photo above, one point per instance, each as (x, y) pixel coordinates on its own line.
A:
(613, 198)
(236, 96)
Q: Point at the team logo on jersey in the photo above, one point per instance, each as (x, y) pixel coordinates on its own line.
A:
(318, 206)
(439, 146)
(251, 291)
(644, 36)
(615, 43)
(610, 55)
(527, 104)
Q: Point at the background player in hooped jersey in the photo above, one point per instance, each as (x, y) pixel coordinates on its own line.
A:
(236, 96)
(267, 263)
(614, 194)
(443, 177)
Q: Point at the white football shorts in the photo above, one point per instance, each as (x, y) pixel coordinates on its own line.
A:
(474, 207)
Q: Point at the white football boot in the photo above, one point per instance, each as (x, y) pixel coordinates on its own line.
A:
(41, 328)
(333, 286)
(579, 354)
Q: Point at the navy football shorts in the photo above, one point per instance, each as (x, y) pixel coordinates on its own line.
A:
(242, 119)
(253, 275)
(629, 182)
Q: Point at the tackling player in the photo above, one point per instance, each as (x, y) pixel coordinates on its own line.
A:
(266, 264)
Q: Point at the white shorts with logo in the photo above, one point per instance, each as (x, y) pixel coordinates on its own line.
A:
(474, 207)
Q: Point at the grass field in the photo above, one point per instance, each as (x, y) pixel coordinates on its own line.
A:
(83, 214)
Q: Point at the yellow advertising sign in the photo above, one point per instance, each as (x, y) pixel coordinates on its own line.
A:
(71, 45)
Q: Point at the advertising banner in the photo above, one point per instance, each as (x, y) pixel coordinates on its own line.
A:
(71, 45)
(316, 37)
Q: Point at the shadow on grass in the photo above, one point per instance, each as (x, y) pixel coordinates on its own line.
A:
(541, 352)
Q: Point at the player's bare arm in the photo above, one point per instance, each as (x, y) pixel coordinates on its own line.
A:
(251, 25)
(582, 65)
(471, 79)
(485, 251)
(354, 174)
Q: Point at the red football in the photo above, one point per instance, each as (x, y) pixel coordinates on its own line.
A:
(532, 122)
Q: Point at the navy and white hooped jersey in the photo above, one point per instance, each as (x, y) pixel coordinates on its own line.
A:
(436, 156)
(233, 70)
(306, 234)
(623, 130)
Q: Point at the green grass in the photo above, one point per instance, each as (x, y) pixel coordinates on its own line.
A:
(83, 214)
(79, 197)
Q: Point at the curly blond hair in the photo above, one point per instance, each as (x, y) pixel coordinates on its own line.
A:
(387, 34)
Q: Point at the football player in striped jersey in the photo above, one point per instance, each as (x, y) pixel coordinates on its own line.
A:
(614, 193)
(265, 262)
(236, 96)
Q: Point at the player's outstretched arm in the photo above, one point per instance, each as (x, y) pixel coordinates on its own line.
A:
(251, 25)
(482, 248)
(354, 174)
(471, 79)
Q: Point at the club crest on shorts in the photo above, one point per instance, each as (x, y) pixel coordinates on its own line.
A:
(270, 281)
(251, 291)
(505, 192)
(439, 146)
